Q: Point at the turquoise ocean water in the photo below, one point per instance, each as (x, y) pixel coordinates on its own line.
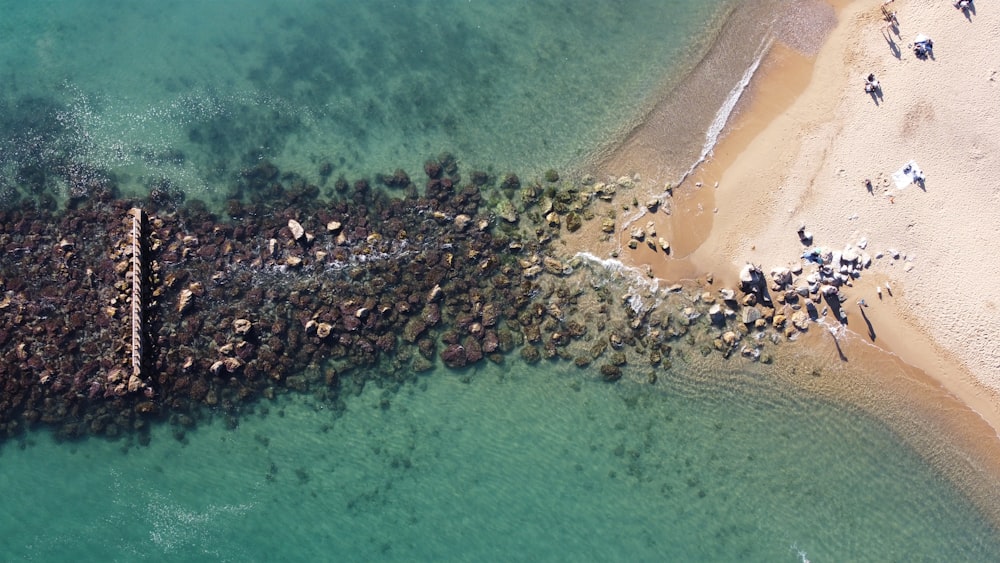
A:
(195, 91)
(509, 462)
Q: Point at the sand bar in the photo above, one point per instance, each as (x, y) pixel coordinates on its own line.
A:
(798, 152)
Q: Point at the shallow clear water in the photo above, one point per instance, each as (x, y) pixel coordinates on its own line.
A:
(517, 463)
(538, 463)
(194, 92)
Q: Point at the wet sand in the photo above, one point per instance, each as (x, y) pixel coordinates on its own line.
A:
(900, 360)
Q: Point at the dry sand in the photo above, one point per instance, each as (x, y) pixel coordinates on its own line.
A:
(808, 137)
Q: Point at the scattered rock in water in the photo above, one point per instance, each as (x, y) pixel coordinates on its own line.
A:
(454, 356)
(530, 354)
(507, 211)
(611, 372)
(573, 222)
(750, 315)
(730, 338)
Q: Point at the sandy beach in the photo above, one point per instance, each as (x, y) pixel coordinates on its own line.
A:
(809, 166)
(797, 151)
(806, 138)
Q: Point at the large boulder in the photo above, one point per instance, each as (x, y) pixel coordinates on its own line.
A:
(454, 356)
(782, 277)
(716, 314)
(800, 320)
(750, 315)
(507, 211)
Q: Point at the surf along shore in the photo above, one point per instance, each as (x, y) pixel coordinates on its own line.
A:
(797, 151)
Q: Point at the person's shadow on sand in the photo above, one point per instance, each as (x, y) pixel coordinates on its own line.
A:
(893, 46)
(876, 94)
(968, 10)
(871, 329)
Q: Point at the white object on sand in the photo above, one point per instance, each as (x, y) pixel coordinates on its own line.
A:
(908, 174)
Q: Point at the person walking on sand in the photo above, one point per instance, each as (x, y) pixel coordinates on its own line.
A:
(887, 15)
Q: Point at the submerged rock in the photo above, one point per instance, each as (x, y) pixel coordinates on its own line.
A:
(507, 211)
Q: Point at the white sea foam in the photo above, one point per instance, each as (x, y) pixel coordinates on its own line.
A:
(616, 266)
(635, 278)
(724, 113)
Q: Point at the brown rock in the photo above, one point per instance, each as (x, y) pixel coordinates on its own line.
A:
(297, 231)
(242, 326)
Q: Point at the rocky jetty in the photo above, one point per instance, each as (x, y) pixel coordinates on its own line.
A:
(287, 291)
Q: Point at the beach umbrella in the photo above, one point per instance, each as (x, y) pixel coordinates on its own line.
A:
(920, 38)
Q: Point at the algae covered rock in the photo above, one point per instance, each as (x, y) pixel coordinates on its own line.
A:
(507, 211)
(573, 222)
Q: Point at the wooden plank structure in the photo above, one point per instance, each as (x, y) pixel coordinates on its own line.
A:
(138, 278)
